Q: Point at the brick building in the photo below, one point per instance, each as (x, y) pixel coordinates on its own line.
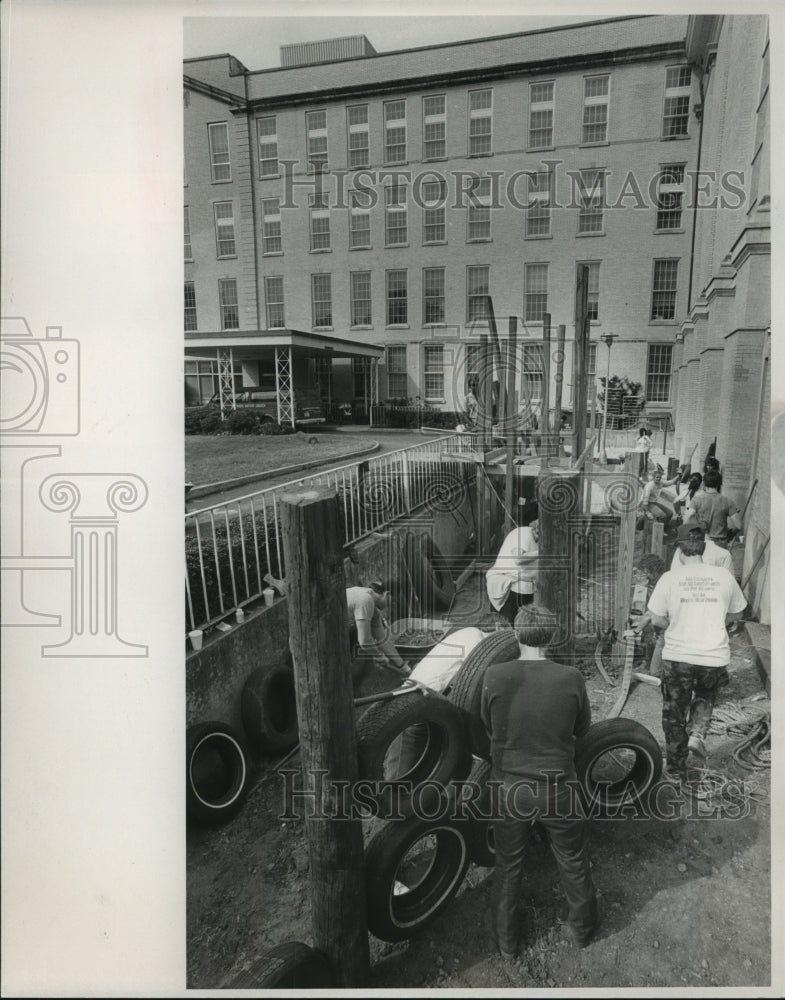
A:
(377, 197)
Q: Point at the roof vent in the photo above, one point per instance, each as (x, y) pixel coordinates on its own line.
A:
(329, 50)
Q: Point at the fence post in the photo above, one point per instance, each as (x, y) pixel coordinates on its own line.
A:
(558, 496)
(629, 489)
(318, 639)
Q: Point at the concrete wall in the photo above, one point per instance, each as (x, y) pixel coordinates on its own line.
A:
(216, 674)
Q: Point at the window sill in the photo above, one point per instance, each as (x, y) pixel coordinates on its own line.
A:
(229, 181)
(397, 326)
(369, 247)
(395, 246)
(322, 250)
(540, 149)
(434, 159)
(362, 326)
(188, 260)
(581, 236)
(322, 327)
(673, 138)
(435, 399)
(481, 239)
(475, 156)
(668, 232)
(272, 253)
(593, 145)
(441, 325)
(435, 243)
(397, 163)
(539, 236)
(269, 177)
(228, 256)
(663, 322)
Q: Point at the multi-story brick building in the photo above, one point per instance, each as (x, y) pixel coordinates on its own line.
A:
(376, 198)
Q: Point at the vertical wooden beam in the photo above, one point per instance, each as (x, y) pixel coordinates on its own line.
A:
(511, 422)
(581, 348)
(558, 497)
(559, 384)
(627, 489)
(657, 528)
(546, 431)
(497, 353)
(318, 639)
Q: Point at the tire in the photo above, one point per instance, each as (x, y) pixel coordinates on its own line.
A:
(390, 863)
(269, 709)
(445, 756)
(479, 831)
(430, 577)
(466, 688)
(631, 776)
(216, 773)
(290, 966)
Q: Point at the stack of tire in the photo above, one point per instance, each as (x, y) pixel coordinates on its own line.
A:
(217, 757)
(416, 864)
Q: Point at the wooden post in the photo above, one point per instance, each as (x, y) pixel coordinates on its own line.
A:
(486, 392)
(318, 639)
(512, 429)
(558, 496)
(581, 349)
(656, 538)
(559, 383)
(628, 489)
(497, 353)
(546, 386)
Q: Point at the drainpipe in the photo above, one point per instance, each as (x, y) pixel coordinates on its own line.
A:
(252, 178)
(697, 169)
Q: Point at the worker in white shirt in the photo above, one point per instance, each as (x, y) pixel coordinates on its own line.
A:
(511, 581)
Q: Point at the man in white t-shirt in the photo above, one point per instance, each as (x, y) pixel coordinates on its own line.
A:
(713, 555)
(511, 581)
(693, 603)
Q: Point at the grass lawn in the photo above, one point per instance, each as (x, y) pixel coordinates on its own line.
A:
(214, 458)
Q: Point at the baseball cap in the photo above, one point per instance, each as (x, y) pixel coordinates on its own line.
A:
(690, 532)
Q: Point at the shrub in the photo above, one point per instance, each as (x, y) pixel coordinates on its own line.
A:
(203, 420)
(242, 422)
(268, 427)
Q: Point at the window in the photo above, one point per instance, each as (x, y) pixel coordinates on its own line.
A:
(189, 319)
(535, 294)
(531, 369)
(670, 196)
(201, 378)
(321, 300)
(595, 108)
(480, 122)
(395, 216)
(224, 228)
(395, 131)
(271, 226)
(187, 248)
(434, 128)
(593, 305)
(433, 295)
(540, 115)
(592, 201)
(360, 287)
(320, 222)
(357, 135)
(267, 134)
(218, 138)
(676, 112)
(591, 361)
(478, 225)
(472, 360)
(361, 379)
(227, 297)
(316, 137)
(397, 379)
(433, 371)
(359, 220)
(273, 294)
(658, 373)
(538, 214)
(434, 229)
(478, 279)
(663, 296)
(397, 306)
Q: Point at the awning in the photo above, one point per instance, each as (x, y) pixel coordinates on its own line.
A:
(255, 345)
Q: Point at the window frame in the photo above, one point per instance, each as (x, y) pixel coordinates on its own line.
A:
(674, 94)
(587, 208)
(388, 127)
(427, 220)
(224, 283)
(223, 223)
(541, 107)
(528, 294)
(354, 301)
(541, 202)
(272, 219)
(189, 285)
(358, 128)
(438, 118)
(674, 189)
(653, 317)
(318, 211)
(188, 250)
(481, 318)
(263, 174)
(395, 211)
(358, 211)
(594, 293)
(433, 370)
(478, 212)
(476, 114)
(270, 303)
(666, 377)
(317, 303)
(390, 302)
(214, 163)
(595, 101)
(395, 372)
(315, 134)
(428, 298)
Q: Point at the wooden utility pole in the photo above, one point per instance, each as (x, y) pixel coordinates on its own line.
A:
(558, 497)
(627, 488)
(581, 351)
(511, 422)
(546, 431)
(318, 639)
(501, 408)
(559, 383)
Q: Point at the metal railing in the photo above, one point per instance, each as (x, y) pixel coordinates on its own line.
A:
(231, 546)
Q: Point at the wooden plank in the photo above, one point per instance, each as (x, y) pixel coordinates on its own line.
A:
(559, 379)
(546, 429)
(657, 529)
(318, 639)
(499, 360)
(510, 421)
(557, 492)
(582, 329)
(627, 486)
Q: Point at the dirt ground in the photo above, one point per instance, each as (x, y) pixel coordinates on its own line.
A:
(685, 903)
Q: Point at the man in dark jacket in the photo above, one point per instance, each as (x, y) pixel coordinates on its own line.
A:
(533, 710)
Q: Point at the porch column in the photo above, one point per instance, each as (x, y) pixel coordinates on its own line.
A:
(283, 385)
(226, 380)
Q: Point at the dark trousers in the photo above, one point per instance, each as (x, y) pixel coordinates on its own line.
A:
(513, 603)
(567, 841)
(689, 692)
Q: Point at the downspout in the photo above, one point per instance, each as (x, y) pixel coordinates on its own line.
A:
(697, 173)
(252, 178)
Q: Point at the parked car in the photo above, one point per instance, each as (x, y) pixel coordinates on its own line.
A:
(308, 407)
